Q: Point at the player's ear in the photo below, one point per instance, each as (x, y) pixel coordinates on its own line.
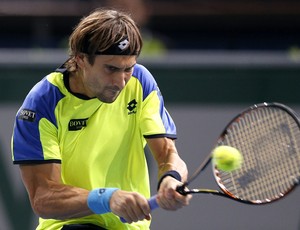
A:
(80, 60)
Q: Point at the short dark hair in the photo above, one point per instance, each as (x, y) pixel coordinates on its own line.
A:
(100, 30)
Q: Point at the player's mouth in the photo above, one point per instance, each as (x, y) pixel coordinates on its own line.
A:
(113, 92)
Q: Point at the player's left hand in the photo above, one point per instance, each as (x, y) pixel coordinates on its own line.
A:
(168, 198)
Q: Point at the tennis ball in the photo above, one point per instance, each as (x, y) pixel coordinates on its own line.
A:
(227, 158)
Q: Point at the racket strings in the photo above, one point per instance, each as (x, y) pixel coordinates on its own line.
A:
(269, 137)
(275, 179)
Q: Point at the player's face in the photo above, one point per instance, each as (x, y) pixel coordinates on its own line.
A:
(107, 76)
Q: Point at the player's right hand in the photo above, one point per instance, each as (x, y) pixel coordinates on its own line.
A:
(131, 206)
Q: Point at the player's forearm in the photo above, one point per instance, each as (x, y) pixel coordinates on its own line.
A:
(173, 161)
(49, 197)
(60, 202)
(166, 156)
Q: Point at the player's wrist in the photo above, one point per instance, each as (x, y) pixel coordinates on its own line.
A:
(98, 200)
(172, 173)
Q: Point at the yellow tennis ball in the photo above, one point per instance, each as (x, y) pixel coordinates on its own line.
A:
(227, 158)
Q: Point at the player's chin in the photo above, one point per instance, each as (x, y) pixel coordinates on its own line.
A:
(108, 98)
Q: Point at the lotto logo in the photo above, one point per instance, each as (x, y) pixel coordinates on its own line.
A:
(132, 107)
(123, 44)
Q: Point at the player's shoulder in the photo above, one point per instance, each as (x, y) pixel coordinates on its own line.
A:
(143, 75)
(141, 72)
(145, 78)
(47, 91)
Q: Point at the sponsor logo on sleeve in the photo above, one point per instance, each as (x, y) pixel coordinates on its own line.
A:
(27, 115)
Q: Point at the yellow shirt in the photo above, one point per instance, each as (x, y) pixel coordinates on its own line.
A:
(98, 144)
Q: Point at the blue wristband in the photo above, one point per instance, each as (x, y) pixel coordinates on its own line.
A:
(98, 200)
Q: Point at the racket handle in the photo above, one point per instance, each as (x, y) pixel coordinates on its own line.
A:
(152, 203)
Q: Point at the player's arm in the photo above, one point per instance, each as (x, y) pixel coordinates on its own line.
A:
(50, 198)
(167, 158)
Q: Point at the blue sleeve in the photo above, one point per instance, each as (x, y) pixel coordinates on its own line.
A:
(149, 85)
(39, 103)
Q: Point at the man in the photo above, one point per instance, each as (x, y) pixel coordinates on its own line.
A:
(80, 133)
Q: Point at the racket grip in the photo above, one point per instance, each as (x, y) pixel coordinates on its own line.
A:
(152, 203)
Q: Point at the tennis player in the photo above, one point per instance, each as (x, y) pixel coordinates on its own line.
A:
(80, 134)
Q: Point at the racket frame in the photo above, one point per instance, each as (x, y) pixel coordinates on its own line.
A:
(224, 191)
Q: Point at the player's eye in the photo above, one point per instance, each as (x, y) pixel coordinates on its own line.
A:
(112, 68)
(128, 70)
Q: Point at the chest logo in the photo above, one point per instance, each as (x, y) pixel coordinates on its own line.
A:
(77, 124)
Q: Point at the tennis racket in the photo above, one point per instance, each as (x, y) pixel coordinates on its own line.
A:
(268, 137)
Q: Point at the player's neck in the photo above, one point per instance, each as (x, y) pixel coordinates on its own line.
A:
(76, 85)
